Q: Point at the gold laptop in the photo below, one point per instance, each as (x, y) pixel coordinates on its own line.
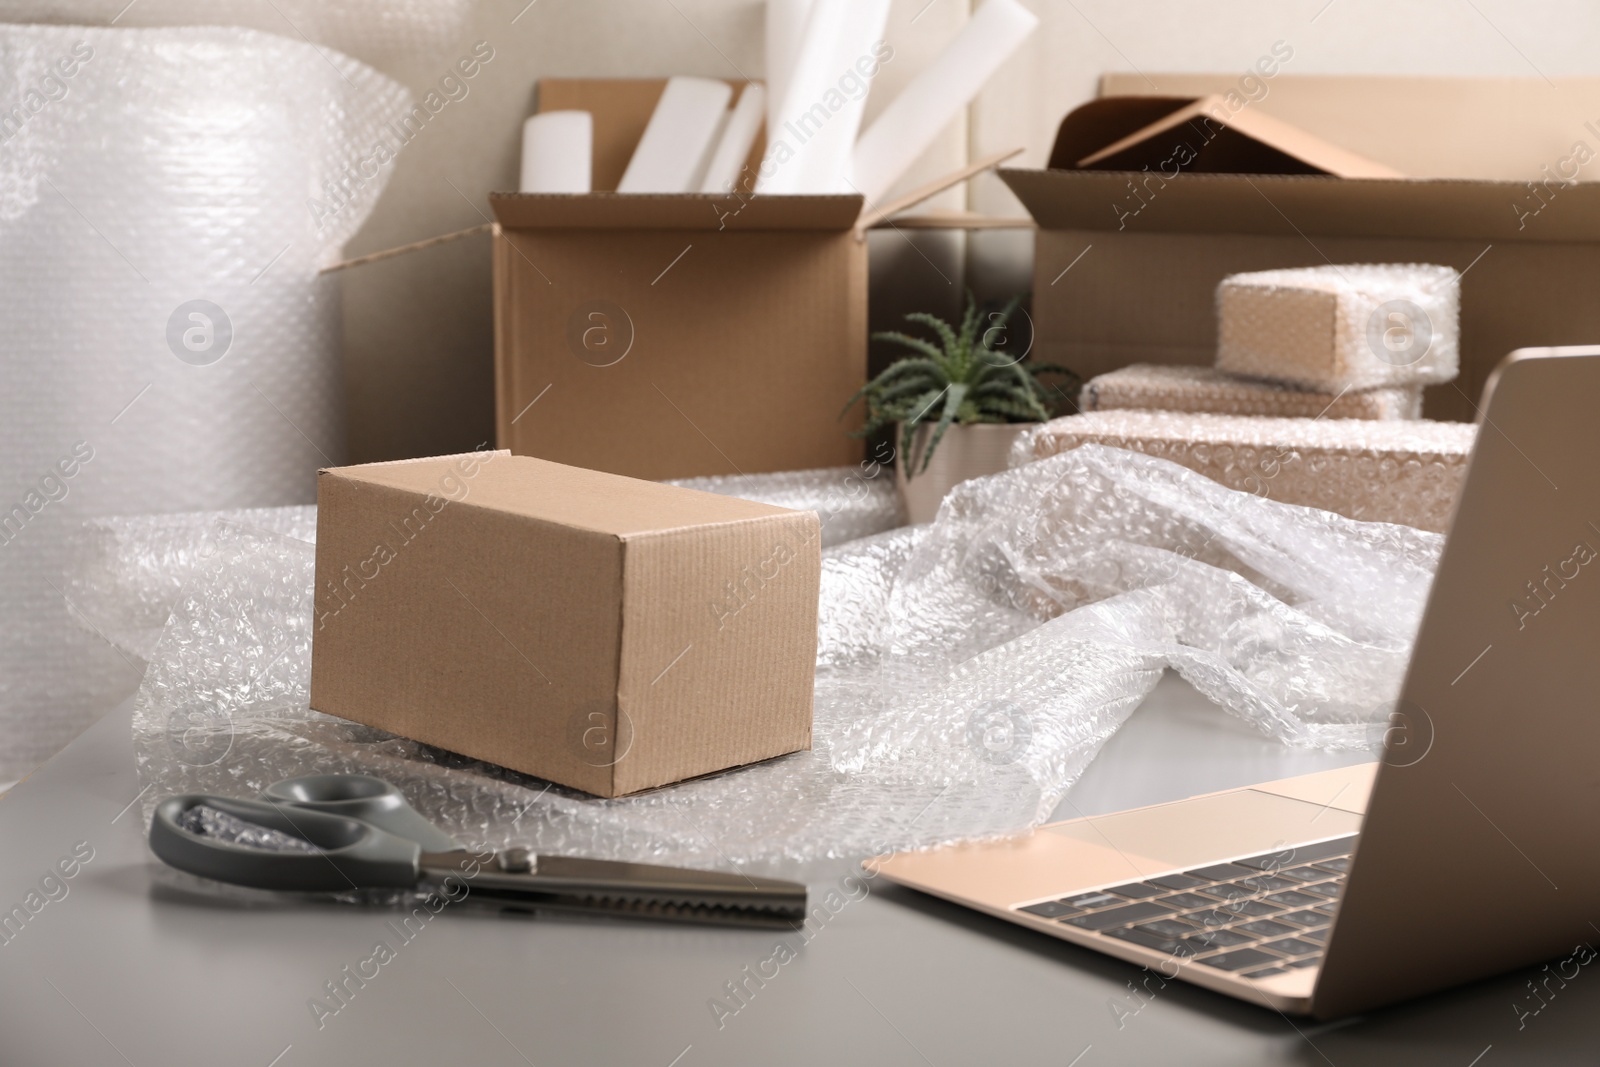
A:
(1471, 848)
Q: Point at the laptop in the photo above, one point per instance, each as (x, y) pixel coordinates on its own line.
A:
(1470, 848)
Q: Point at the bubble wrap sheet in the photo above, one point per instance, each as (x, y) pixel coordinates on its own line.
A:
(167, 338)
(967, 671)
(1150, 387)
(850, 502)
(1342, 326)
(125, 572)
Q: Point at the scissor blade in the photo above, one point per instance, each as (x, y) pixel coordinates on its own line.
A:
(631, 888)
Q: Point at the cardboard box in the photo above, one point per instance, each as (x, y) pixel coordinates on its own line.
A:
(1488, 195)
(669, 336)
(601, 632)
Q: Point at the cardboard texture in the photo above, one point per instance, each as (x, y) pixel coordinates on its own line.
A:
(675, 335)
(600, 632)
(1489, 198)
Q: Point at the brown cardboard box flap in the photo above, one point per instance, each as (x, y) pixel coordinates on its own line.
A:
(1308, 204)
(674, 211)
(1200, 135)
(1493, 129)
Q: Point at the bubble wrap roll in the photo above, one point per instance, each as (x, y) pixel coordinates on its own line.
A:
(968, 671)
(1149, 387)
(398, 37)
(1406, 472)
(167, 336)
(1351, 326)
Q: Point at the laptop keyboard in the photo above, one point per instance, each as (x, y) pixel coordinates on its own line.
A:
(1256, 917)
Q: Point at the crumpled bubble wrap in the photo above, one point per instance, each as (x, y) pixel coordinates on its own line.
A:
(1152, 387)
(968, 671)
(126, 571)
(851, 502)
(1342, 326)
(1404, 471)
(164, 325)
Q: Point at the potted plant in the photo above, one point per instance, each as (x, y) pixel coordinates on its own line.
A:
(958, 405)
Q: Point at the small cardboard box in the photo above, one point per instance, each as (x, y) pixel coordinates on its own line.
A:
(597, 631)
(1160, 211)
(674, 335)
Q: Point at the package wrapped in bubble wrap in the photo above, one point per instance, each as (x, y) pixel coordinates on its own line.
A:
(167, 338)
(967, 671)
(1404, 471)
(1345, 326)
(1150, 387)
(850, 502)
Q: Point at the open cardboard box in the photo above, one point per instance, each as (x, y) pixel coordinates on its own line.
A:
(1133, 241)
(664, 336)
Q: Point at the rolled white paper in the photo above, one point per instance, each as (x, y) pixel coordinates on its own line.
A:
(907, 127)
(738, 137)
(821, 112)
(557, 151)
(857, 47)
(680, 135)
(786, 25)
(697, 179)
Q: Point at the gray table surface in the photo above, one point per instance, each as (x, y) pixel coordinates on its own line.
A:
(127, 969)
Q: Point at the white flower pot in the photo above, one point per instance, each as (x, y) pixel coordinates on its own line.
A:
(964, 452)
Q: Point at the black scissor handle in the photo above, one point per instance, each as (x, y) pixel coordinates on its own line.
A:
(361, 796)
(351, 853)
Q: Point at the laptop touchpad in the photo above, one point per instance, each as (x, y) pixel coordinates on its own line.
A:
(1206, 829)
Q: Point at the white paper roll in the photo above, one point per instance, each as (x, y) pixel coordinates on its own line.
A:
(822, 107)
(907, 127)
(680, 135)
(737, 138)
(786, 25)
(557, 149)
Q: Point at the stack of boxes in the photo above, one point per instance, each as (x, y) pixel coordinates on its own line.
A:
(1313, 399)
(1342, 342)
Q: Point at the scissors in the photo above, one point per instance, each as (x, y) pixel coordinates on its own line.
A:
(332, 833)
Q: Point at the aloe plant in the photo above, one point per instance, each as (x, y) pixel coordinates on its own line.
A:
(961, 379)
